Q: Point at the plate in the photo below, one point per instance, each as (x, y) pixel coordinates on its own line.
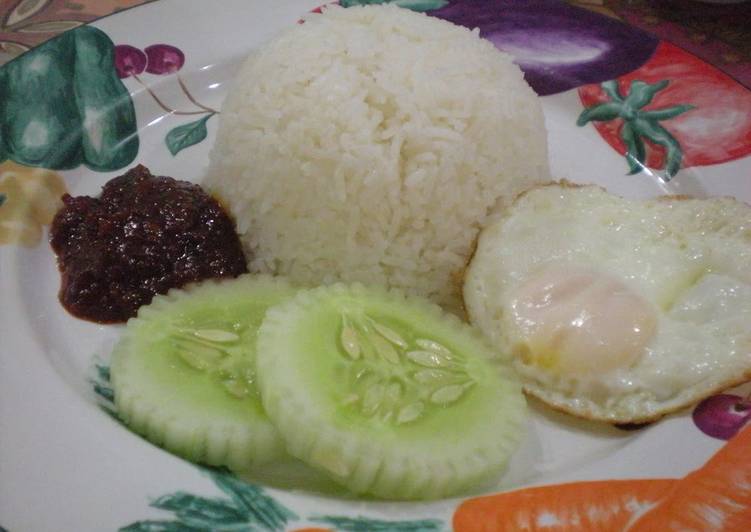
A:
(67, 465)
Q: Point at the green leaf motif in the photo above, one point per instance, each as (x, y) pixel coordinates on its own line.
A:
(24, 10)
(248, 508)
(659, 135)
(642, 93)
(103, 372)
(187, 135)
(363, 524)
(105, 395)
(3, 197)
(667, 113)
(105, 392)
(259, 506)
(414, 5)
(13, 49)
(200, 511)
(162, 526)
(101, 384)
(63, 105)
(635, 150)
(52, 26)
(612, 89)
(639, 124)
(599, 113)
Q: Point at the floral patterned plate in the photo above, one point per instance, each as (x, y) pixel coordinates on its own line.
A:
(637, 115)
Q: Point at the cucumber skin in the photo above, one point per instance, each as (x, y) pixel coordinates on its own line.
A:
(185, 411)
(409, 462)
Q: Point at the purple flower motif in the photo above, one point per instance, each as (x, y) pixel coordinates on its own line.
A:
(129, 60)
(164, 59)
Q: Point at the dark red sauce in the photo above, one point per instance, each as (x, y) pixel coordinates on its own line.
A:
(142, 236)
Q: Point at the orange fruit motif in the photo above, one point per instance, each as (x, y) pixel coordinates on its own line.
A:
(29, 199)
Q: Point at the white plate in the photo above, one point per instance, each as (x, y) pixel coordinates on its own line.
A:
(66, 465)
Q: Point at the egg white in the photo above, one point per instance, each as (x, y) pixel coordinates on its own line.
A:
(684, 265)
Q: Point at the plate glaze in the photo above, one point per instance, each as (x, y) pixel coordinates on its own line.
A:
(162, 71)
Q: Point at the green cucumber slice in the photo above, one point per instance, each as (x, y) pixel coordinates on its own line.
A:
(388, 396)
(183, 372)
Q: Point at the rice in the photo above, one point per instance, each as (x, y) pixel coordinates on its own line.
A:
(370, 144)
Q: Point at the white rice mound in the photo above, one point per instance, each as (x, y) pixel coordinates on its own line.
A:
(370, 144)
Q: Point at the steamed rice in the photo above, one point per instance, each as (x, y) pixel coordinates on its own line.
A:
(370, 144)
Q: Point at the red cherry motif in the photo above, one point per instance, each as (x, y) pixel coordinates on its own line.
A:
(129, 60)
(722, 416)
(164, 59)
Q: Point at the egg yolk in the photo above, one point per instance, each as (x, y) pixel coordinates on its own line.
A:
(577, 321)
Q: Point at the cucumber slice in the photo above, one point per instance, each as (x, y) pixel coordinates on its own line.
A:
(387, 395)
(183, 372)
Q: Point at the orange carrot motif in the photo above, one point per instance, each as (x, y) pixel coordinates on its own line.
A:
(607, 505)
(715, 497)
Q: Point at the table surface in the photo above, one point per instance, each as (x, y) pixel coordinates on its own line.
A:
(718, 33)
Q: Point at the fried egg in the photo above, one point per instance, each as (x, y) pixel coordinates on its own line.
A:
(617, 310)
